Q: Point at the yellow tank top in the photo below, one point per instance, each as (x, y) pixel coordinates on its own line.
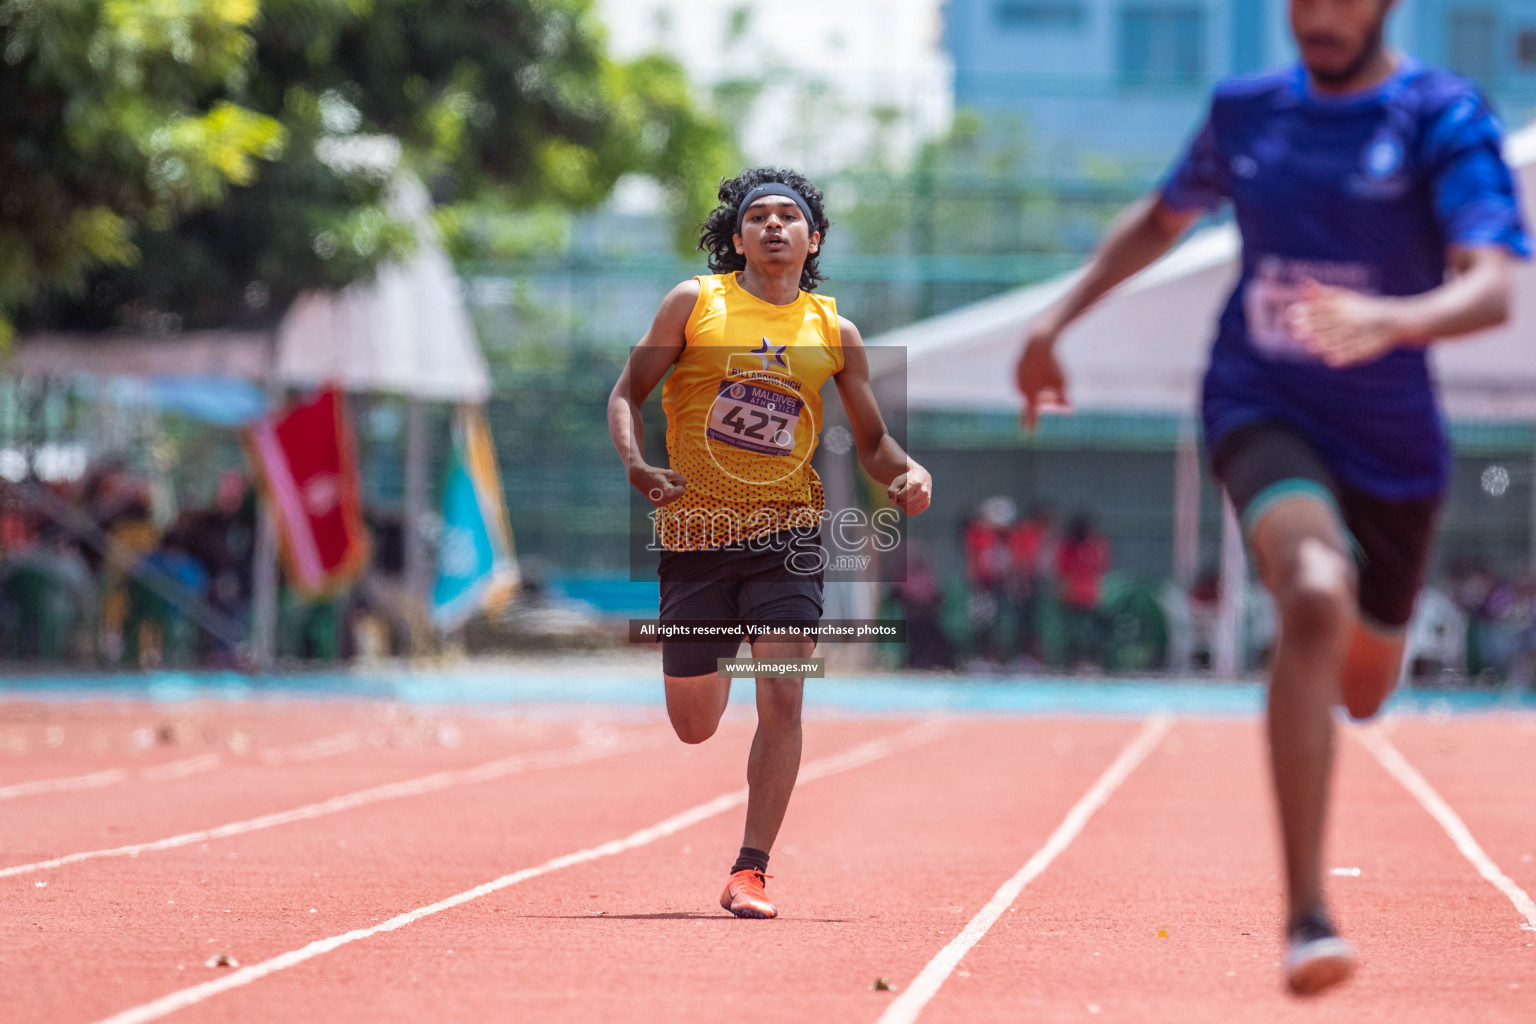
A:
(743, 407)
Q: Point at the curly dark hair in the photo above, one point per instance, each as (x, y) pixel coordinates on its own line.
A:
(716, 236)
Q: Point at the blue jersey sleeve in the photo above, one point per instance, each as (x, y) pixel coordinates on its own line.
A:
(1475, 194)
(1199, 180)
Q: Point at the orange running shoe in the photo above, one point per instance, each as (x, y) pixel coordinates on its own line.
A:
(744, 895)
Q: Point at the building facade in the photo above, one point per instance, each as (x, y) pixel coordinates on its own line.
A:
(1126, 80)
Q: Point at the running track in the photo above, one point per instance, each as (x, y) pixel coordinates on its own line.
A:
(993, 868)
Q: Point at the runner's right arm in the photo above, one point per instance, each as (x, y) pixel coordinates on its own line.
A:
(1141, 234)
(647, 365)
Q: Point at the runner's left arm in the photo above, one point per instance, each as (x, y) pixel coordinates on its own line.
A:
(908, 484)
(1477, 209)
(1344, 328)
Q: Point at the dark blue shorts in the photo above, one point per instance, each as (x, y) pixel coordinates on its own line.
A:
(1263, 463)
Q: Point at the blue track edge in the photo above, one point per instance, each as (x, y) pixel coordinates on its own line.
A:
(883, 694)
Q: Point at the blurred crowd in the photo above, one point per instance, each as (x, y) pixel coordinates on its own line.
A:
(97, 571)
(1500, 621)
(90, 573)
(1033, 594)
(105, 571)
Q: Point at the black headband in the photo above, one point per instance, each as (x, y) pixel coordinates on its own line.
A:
(774, 188)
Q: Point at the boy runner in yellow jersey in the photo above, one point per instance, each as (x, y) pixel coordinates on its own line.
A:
(749, 348)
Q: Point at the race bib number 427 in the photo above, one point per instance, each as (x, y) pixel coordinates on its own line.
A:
(755, 418)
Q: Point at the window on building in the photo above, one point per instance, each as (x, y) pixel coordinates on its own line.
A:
(1471, 37)
(1041, 14)
(1526, 50)
(1162, 45)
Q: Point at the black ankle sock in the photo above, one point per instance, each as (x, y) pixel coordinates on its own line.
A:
(751, 860)
(1309, 925)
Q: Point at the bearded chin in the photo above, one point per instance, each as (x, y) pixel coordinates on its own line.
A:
(1368, 53)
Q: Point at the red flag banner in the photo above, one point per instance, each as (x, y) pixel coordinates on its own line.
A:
(307, 464)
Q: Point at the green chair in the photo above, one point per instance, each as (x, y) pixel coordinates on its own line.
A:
(149, 607)
(1136, 637)
(310, 630)
(1051, 626)
(45, 613)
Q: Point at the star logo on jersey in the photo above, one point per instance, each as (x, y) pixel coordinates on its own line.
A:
(771, 354)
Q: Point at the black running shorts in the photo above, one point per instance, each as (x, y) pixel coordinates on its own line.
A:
(1264, 463)
(764, 583)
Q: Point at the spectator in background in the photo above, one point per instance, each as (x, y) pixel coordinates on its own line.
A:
(1204, 609)
(1080, 565)
(1500, 610)
(988, 571)
(159, 629)
(223, 539)
(18, 522)
(122, 512)
(1032, 552)
(1471, 585)
(921, 598)
(1508, 635)
(47, 599)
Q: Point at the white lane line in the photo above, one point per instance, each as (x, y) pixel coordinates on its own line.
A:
(854, 757)
(906, 1006)
(390, 791)
(181, 769)
(91, 781)
(326, 746)
(1398, 767)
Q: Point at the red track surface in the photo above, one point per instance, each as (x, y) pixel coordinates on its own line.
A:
(878, 867)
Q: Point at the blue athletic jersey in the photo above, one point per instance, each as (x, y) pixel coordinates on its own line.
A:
(1365, 192)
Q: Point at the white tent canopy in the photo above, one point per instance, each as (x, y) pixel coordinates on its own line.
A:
(406, 331)
(1144, 347)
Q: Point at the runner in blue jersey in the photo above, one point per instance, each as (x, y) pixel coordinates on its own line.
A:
(1377, 216)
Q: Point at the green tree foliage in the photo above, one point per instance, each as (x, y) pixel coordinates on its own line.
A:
(112, 116)
(503, 107)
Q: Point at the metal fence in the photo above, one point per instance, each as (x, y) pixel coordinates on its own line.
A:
(556, 329)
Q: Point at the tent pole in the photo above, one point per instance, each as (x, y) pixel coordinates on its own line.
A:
(264, 593)
(854, 598)
(1186, 506)
(264, 577)
(1531, 553)
(1227, 657)
(415, 504)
